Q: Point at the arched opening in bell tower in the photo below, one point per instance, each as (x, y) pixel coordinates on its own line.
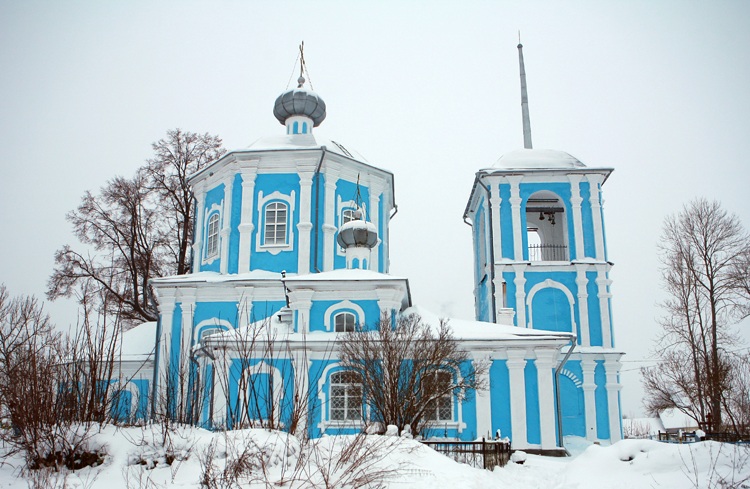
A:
(546, 228)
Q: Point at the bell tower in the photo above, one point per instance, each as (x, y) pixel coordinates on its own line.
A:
(540, 257)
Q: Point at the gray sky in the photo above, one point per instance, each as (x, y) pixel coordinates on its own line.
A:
(428, 90)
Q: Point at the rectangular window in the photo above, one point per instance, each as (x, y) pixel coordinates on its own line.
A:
(275, 225)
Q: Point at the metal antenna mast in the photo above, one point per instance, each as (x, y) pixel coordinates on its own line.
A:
(524, 99)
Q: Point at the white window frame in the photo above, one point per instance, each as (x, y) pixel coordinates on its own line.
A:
(215, 209)
(437, 408)
(345, 306)
(263, 201)
(351, 391)
(272, 214)
(347, 327)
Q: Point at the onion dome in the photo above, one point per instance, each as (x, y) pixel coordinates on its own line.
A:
(300, 102)
(357, 234)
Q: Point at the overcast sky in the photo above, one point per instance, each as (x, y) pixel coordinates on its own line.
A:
(428, 90)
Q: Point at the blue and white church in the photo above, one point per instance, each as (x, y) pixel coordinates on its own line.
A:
(291, 251)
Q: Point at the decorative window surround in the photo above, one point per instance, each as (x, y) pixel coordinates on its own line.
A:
(345, 306)
(551, 284)
(275, 249)
(214, 210)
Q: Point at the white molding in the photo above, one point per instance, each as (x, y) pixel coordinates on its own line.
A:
(516, 364)
(304, 226)
(596, 212)
(288, 199)
(218, 209)
(246, 226)
(339, 306)
(515, 204)
(551, 284)
(575, 203)
(583, 304)
(226, 228)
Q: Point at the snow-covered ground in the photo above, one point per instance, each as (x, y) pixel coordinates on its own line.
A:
(137, 458)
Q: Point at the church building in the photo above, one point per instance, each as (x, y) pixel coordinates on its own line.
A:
(291, 251)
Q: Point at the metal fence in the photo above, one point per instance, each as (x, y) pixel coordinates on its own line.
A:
(541, 252)
(480, 454)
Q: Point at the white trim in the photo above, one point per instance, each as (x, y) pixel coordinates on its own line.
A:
(551, 284)
(207, 214)
(226, 228)
(212, 323)
(275, 249)
(575, 204)
(329, 314)
(325, 414)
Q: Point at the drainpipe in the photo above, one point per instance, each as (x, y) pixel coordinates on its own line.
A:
(557, 392)
(492, 250)
(317, 204)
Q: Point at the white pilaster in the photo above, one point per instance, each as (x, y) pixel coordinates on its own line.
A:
(389, 300)
(515, 205)
(246, 227)
(187, 305)
(226, 227)
(545, 361)
(305, 222)
(329, 224)
(374, 218)
(497, 239)
(244, 306)
(520, 283)
(583, 305)
(167, 301)
(484, 401)
(301, 367)
(221, 369)
(517, 378)
(200, 199)
(612, 369)
(588, 367)
(300, 301)
(596, 213)
(603, 294)
(575, 202)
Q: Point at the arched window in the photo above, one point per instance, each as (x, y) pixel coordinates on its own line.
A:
(347, 215)
(212, 235)
(441, 408)
(344, 322)
(275, 224)
(346, 397)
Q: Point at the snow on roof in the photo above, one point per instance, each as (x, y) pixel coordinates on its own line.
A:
(673, 419)
(138, 343)
(537, 158)
(217, 277)
(479, 330)
(465, 330)
(303, 141)
(640, 427)
(344, 274)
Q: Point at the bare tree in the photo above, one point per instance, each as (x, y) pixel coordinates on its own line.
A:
(55, 390)
(136, 229)
(701, 248)
(177, 157)
(410, 371)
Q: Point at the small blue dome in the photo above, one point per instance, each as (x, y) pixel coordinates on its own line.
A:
(300, 102)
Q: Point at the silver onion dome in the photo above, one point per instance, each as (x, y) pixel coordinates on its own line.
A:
(357, 233)
(300, 101)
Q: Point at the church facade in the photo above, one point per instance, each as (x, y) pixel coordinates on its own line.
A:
(291, 251)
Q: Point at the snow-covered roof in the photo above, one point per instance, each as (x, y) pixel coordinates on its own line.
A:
(353, 274)
(673, 419)
(216, 277)
(302, 141)
(641, 427)
(138, 343)
(537, 158)
(463, 330)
